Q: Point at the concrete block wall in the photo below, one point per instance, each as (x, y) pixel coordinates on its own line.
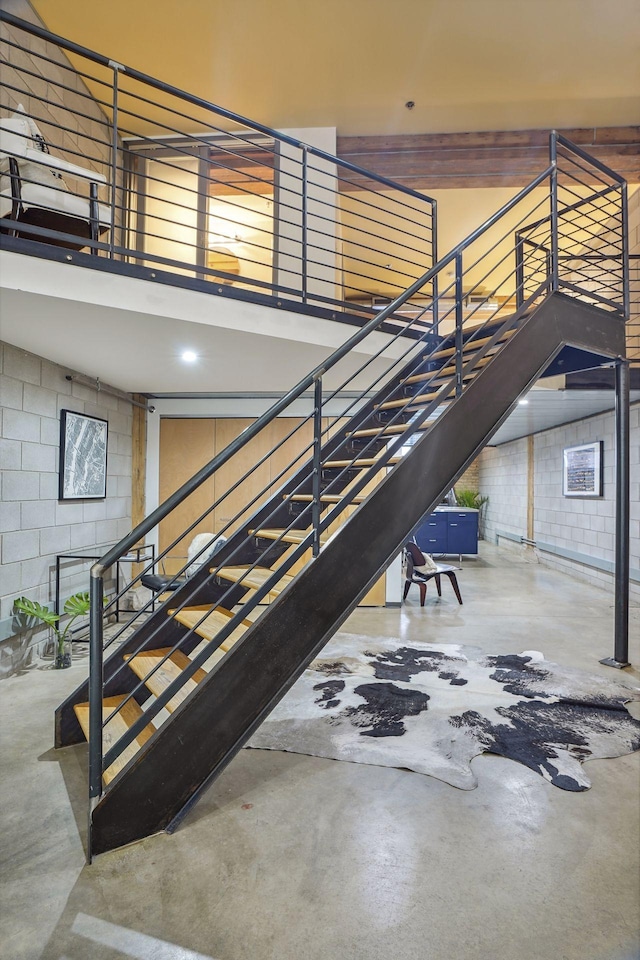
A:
(34, 524)
(502, 477)
(53, 94)
(584, 528)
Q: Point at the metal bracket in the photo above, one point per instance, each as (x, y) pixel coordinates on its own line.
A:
(612, 662)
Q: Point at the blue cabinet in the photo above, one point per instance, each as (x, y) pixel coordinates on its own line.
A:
(432, 536)
(449, 531)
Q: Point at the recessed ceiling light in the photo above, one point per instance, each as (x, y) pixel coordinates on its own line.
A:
(189, 356)
(523, 401)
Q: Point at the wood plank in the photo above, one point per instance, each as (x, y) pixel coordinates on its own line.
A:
(116, 727)
(362, 462)
(211, 625)
(393, 429)
(468, 347)
(290, 536)
(157, 683)
(255, 579)
(325, 498)
(410, 402)
(441, 376)
(583, 136)
(480, 159)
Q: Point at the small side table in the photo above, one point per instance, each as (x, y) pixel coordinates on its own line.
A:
(141, 554)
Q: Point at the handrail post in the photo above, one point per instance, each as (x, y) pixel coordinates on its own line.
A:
(626, 297)
(519, 270)
(317, 466)
(116, 67)
(305, 174)
(434, 260)
(459, 322)
(553, 186)
(96, 680)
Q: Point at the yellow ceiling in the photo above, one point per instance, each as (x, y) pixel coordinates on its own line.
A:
(467, 64)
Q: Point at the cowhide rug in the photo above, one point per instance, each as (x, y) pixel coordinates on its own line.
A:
(433, 708)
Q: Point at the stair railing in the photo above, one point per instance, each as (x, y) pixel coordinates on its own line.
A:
(486, 285)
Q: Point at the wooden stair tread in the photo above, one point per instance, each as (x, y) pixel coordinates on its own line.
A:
(255, 579)
(448, 371)
(157, 683)
(409, 402)
(325, 498)
(211, 625)
(118, 725)
(361, 463)
(468, 346)
(392, 429)
(290, 536)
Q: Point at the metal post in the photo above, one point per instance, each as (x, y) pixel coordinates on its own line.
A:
(305, 173)
(94, 217)
(553, 183)
(96, 682)
(57, 606)
(434, 260)
(459, 322)
(621, 636)
(626, 302)
(519, 271)
(317, 466)
(116, 67)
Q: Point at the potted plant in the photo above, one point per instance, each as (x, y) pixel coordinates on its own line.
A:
(471, 498)
(76, 606)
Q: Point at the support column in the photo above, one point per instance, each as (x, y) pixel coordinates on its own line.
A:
(621, 636)
(138, 467)
(530, 488)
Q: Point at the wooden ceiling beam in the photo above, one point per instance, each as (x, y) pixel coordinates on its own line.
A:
(485, 159)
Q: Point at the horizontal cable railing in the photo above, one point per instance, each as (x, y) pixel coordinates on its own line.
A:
(190, 190)
(543, 240)
(586, 250)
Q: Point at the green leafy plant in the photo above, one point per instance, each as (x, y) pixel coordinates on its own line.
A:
(76, 606)
(470, 498)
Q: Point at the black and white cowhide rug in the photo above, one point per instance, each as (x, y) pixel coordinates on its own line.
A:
(433, 708)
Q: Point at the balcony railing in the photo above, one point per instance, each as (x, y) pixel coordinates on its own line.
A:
(188, 193)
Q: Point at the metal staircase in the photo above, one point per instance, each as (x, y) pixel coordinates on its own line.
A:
(178, 696)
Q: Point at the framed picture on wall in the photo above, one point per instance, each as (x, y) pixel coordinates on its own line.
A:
(582, 470)
(83, 457)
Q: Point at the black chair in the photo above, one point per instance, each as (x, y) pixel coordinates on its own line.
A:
(416, 571)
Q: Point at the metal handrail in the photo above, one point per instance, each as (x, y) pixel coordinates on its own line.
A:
(276, 271)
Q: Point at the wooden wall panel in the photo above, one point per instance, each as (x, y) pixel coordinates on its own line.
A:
(230, 511)
(295, 446)
(185, 446)
(512, 158)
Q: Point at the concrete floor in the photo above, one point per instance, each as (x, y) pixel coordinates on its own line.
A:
(290, 857)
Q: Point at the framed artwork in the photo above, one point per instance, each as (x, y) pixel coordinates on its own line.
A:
(83, 457)
(582, 470)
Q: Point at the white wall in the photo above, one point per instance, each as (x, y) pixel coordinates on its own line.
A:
(572, 534)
